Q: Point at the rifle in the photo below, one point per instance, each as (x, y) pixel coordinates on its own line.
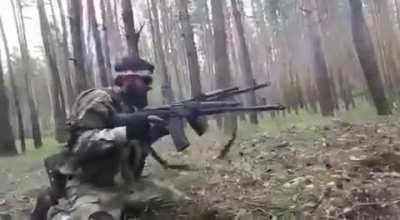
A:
(203, 105)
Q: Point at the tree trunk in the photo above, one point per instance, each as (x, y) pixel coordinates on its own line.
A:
(112, 27)
(325, 96)
(75, 15)
(18, 17)
(106, 42)
(170, 49)
(56, 91)
(7, 144)
(245, 60)
(132, 37)
(191, 52)
(222, 71)
(367, 57)
(388, 44)
(98, 45)
(397, 12)
(14, 89)
(166, 90)
(208, 44)
(343, 90)
(234, 60)
(66, 57)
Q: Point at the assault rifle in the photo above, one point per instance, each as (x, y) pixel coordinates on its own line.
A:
(206, 104)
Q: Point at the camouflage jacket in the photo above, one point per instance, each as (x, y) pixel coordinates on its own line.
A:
(90, 126)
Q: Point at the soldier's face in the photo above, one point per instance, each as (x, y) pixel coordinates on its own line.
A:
(136, 85)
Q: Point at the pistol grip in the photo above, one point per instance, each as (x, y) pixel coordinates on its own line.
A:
(177, 132)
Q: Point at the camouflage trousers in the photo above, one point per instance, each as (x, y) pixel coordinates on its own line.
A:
(83, 200)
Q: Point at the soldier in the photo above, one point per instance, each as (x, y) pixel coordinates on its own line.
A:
(105, 130)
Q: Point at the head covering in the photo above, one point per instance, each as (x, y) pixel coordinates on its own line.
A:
(132, 66)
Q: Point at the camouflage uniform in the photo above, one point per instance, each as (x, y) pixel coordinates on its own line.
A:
(90, 186)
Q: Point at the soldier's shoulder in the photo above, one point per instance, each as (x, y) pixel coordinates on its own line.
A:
(93, 96)
(94, 93)
(97, 100)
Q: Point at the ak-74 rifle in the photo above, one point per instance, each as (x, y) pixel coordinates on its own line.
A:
(210, 103)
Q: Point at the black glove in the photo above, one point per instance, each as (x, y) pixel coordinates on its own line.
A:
(137, 125)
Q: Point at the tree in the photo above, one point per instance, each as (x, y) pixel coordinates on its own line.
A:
(191, 52)
(222, 71)
(106, 40)
(367, 56)
(132, 37)
(23, 46)
(325, 96)
(166, 90)
(66, 57)
(7, 144)
(386, 47)
(14, 89)
(245, 60)
(97, 40)
(56, 88)
(75, 15)
(170, 50)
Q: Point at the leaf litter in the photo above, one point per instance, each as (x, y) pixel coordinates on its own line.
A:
(342, 171)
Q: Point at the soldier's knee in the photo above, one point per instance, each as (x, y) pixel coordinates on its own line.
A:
(44, 201)
(101, 215)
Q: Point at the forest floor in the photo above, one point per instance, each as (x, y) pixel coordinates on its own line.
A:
(298, 167)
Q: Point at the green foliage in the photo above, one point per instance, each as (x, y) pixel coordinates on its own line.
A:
(32, 155)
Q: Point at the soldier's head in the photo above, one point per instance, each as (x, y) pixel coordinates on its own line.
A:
(134, 75)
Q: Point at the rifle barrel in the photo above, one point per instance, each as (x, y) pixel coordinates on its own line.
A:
(207, 96)
(237, 92)
(199, 105)
(242, 109)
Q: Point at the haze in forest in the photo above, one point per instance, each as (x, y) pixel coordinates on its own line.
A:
(333, 64)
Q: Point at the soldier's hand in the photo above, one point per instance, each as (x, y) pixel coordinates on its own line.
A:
(158, 128)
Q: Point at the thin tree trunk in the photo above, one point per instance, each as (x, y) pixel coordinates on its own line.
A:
(169, 45)
(234, 60)
(245, 60)
(343, 90)
(325, 96)
(66, 56)
(14, 89)
(191, 52)
(98, 45)
(18, 17)
(7, 143)
(132, 37)
(57, 94)
(112, 27)
(55, 23)
(223, 74)
(367, 57)
(75, 15)
(397, 12)
(166, 90)
(106, 42)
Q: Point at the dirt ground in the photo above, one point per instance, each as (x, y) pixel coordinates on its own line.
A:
(336, 171)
